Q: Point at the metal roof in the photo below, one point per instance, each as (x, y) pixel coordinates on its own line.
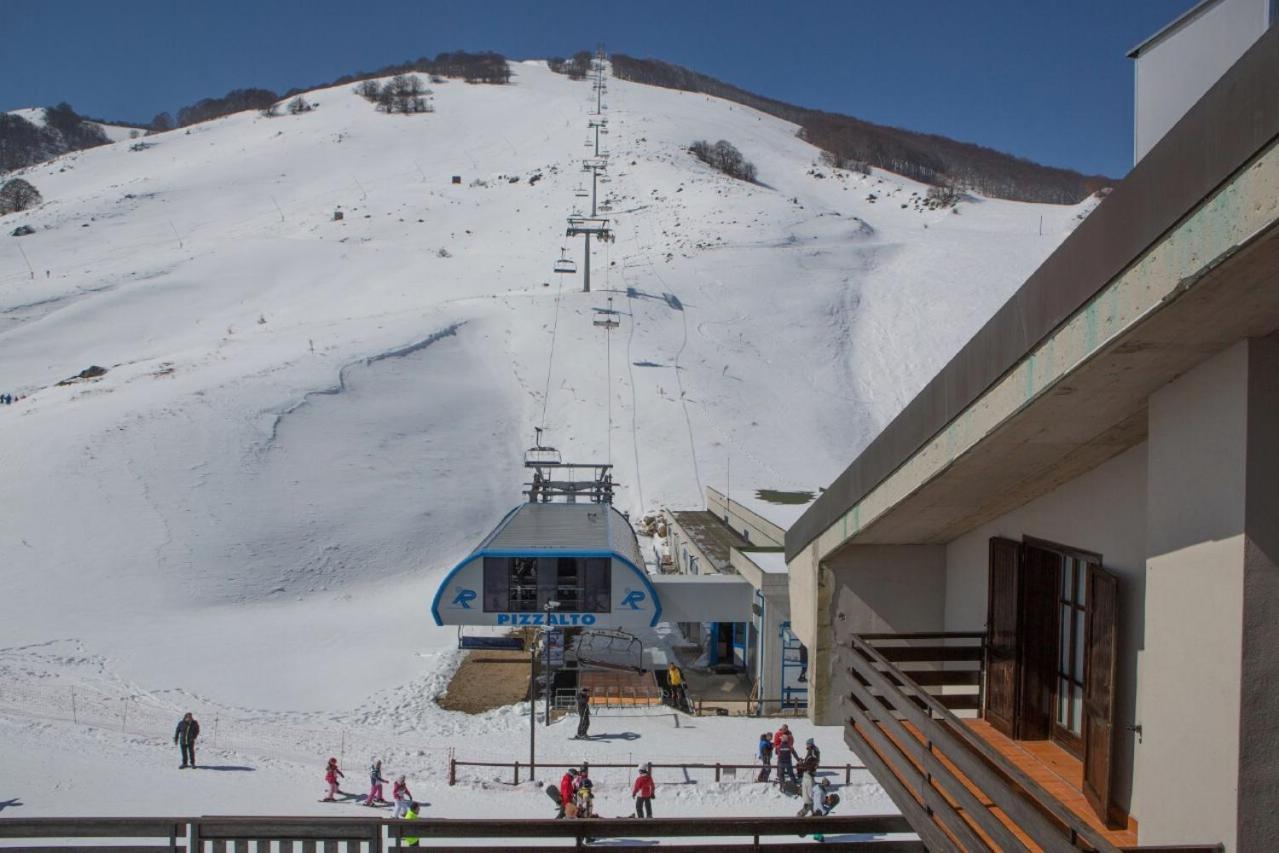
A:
(565, 527)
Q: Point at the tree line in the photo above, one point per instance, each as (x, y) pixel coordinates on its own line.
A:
(852, 143)
(23, 143)
(576, 67)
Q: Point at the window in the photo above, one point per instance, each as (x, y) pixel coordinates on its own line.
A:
(597, 587)
(1071, 611)
(568, 585)
(526, 584)
(522, 597)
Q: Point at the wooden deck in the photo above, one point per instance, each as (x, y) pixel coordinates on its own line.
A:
(1055, 770)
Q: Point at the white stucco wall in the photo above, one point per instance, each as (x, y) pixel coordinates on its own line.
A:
(1103, 511)
(873, 589)
(1188, 764)
(1175, 72)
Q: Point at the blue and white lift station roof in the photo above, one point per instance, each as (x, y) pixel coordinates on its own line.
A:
(564, 564)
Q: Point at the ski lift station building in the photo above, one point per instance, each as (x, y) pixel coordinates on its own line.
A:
(586, 557)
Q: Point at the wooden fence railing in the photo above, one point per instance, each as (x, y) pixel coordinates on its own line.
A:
(720, 769)
(792, 707)
(374, 835)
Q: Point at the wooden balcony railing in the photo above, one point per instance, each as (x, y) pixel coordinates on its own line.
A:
(957, 792)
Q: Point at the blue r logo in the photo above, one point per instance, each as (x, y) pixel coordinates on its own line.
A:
(464, 598)
(632, 599)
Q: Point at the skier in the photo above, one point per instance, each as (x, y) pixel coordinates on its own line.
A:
(765, 753)
(331, 776)
(643, 792)
(411, 814)
(375, 784)
(402, 796)
(187, 731)
(808, 772)
(585, 799)
(784, 748)
(583, 712)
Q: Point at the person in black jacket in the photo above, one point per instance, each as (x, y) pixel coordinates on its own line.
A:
(188, 730)
(583, 711)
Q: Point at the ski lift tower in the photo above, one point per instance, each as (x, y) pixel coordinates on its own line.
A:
(598, 124)
(585, 227)
(554, 478)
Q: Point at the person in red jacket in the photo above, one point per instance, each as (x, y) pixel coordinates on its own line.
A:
(642, 791)
(784, 749)
(567, 789)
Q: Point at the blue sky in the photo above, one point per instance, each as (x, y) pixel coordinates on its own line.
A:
(1043, 79)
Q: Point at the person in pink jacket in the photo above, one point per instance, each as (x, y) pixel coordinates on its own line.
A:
(331, 775)
(402, 796)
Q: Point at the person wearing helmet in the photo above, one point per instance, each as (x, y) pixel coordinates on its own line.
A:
(642, 791)
(784, 749)
(402, 796)
(585, 799)
(765, 753)
(811, 751)
(331, 775)
(376, 781)
(567, 788)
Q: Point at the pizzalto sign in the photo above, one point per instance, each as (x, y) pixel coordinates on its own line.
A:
(631, 605)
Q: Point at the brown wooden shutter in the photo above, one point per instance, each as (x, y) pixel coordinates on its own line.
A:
(1001, 635)
(1101, 649)
(1037, 641)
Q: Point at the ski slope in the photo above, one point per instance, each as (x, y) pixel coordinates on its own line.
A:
(305, 421)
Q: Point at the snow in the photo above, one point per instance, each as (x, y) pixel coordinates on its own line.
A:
(305, 422)
(769, 562)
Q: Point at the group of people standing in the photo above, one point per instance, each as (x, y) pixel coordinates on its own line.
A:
(575, 795)
(8, 399)
(816, 796)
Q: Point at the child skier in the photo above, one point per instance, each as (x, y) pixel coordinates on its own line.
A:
(402, 796)
(331, 775)
(643, 792)
(411, 814)
(585, 799)
(375, 784)
(765, 752)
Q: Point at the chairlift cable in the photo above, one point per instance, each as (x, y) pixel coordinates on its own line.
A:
(550, 359)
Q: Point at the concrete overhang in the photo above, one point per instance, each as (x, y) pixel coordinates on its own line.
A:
(703, 598)
(771, 583)
(1171, 267)
(1083, 416)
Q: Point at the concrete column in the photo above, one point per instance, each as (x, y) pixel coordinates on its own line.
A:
(1207, 764)
(1259, 703)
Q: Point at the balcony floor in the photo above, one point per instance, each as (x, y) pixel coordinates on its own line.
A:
(1055, 770)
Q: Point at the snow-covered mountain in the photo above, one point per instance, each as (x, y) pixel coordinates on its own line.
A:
(306, 419)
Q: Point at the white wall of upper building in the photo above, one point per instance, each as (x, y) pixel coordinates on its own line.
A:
(1175, 67)
(1104, 512)
(753, 527)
